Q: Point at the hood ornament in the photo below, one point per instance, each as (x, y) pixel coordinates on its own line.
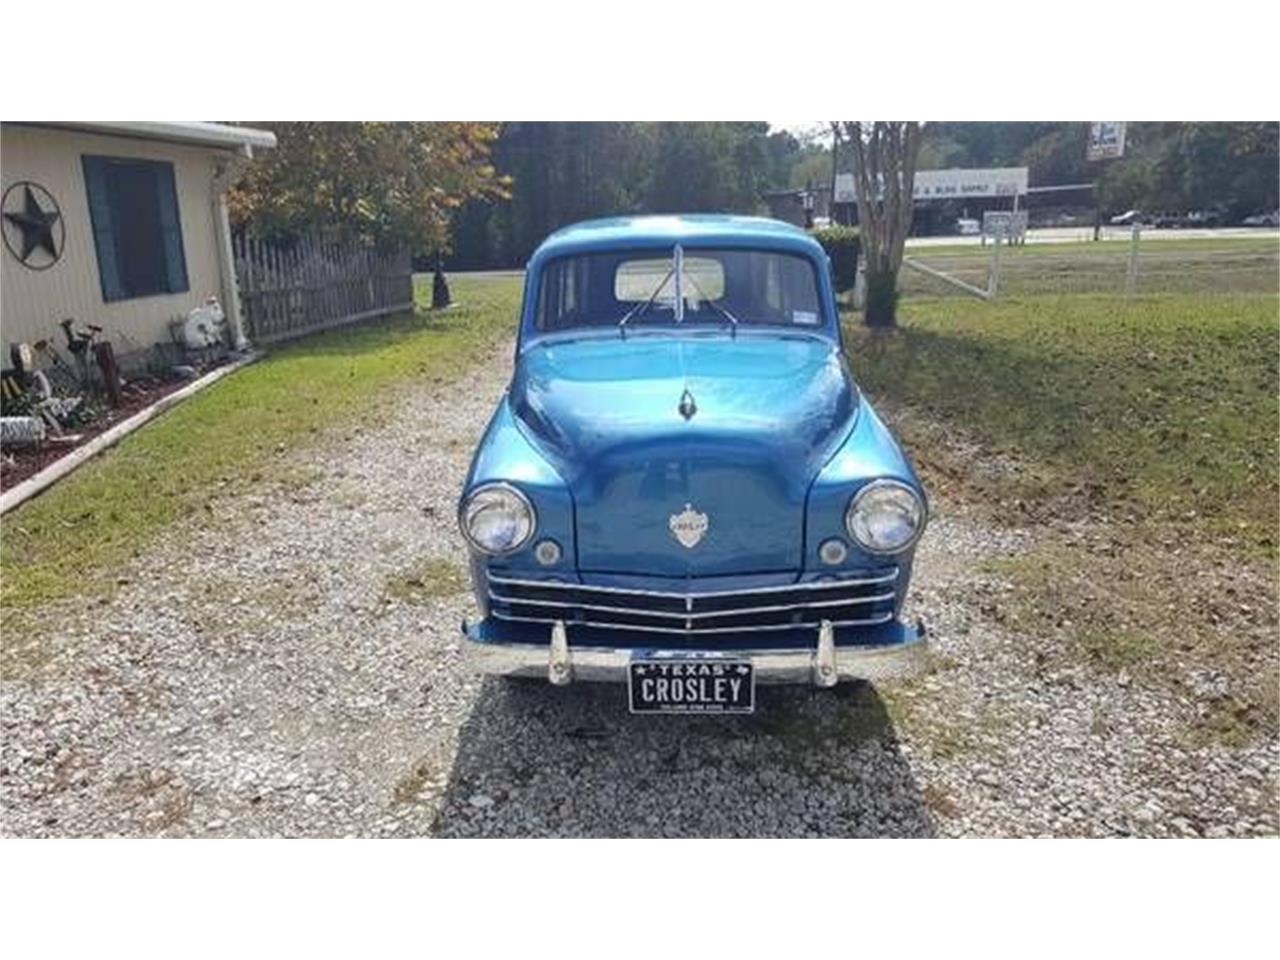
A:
(689, 526)
(687, 406)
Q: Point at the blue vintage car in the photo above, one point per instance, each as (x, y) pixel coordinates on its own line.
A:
(683, 488)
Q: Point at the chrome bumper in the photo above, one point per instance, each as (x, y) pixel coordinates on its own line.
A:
(823, 664)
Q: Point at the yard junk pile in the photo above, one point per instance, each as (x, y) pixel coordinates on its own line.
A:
(53, 398)
(21, 431)
(32, 411)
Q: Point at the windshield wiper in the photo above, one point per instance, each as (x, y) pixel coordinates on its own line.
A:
(723, 311)
(640, 308)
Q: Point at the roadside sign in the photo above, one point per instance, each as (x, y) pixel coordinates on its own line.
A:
(1106, 140)
(1009, 226)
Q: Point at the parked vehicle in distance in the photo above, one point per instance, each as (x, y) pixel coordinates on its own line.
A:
(1203, 219)
(1126, 219)
(1180, 221)
(683, 489)
(1271, 219)
(1057, 219)
(967, 227)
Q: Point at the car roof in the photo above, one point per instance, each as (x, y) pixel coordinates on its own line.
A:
(691, 229)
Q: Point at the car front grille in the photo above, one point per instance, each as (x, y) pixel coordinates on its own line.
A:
(865, 599)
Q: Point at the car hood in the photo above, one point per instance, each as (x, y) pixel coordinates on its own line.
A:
(764, 413)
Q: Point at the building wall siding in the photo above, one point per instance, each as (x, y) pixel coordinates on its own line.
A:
(32, 302)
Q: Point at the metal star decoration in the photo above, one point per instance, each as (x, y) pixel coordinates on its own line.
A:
(36, 225)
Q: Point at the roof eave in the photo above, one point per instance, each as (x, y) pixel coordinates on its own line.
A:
(221, 135)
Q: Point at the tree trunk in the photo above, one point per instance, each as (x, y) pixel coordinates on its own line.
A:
(885, 155)
(881, 305)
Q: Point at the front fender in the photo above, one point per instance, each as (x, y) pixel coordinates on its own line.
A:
(870, 452)
(505, 454)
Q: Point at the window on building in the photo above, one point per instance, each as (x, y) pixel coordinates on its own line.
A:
(136, 231)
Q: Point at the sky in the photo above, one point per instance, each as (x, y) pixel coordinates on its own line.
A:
(798, 128)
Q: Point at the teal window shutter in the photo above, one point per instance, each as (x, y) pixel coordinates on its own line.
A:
(104, 236)
(175, 261)
(137, 232)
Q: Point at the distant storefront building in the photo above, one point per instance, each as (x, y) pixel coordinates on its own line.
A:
(941, 198)
(944, 196)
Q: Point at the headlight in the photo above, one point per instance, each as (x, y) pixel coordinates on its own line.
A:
(885, 516)
(497, 519)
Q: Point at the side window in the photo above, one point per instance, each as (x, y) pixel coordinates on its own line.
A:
(773, 284)
(568, 293)
(561, 294)
(137, 234)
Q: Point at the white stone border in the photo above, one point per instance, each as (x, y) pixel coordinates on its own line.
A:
(61, 467)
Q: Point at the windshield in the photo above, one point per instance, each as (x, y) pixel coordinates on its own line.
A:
(745, 287)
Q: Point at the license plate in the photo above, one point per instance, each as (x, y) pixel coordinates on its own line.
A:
(692, 685)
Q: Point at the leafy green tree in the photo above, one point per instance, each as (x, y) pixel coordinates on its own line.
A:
(564, 172)
(708, 167)
(1166, 166)
(1058, 156)
(962, 144)
(393, 183)
(812, 166)
(1229, 167)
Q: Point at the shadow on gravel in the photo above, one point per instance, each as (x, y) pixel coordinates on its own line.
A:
(537, 760)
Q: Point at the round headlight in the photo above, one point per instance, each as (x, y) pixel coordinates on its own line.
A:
(885, 516)
(497, 519)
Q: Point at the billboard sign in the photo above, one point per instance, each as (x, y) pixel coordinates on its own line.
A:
(1106, 140)
(952, 184)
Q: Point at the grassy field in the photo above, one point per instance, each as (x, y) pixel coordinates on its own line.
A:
(1138, 438)
(1116, 240)
(73, 539)
(1164, 267)
(1156, 407)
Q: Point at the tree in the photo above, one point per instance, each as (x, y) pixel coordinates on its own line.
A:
(812, 166)
(564, 172)
(1058, 156)
(384, 183)
(709, 167)
(1227, 167)
(885, 154)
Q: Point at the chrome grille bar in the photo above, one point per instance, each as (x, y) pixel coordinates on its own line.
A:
(889, 574)
(689, 615)
(855, 601)
(869, 622)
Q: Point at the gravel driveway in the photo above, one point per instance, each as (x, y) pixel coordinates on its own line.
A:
(294, 669)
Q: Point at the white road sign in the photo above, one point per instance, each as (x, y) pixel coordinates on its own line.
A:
(1106, 140)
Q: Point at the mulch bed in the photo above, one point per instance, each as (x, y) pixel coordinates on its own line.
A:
(19, 463)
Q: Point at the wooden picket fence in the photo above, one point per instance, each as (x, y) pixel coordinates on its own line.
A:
(287, 290)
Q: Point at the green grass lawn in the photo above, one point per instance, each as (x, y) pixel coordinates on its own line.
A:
(1117, 241)
(1158, 407)
(72, 539)
(1164, 267)
(1139, 439)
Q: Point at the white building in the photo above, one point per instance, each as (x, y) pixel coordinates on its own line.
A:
(122, 225)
